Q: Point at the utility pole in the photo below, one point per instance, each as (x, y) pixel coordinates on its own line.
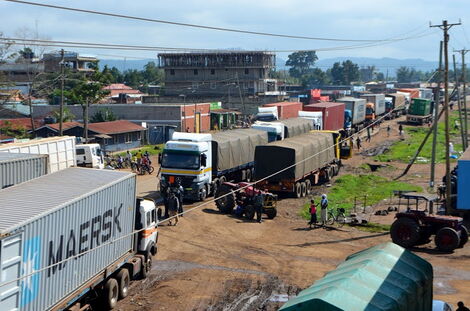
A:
(61, 111)
(240, 92)
(445, 27)
(459, 104)
(437, 100)
(464, 91)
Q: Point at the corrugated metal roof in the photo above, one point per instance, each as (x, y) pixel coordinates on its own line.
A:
(24, 202)
(115, 127)
(65, 125)
(7, 156)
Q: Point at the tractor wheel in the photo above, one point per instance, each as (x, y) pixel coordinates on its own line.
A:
(308, 186)
(271, 212)
(250, 212)
(298, 190)
(225, 199)
(447, 239)
(463, 236)
(405, 232)
(303, 188)
(424, 237)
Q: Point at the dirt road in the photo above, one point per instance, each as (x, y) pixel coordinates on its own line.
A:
(211, 261)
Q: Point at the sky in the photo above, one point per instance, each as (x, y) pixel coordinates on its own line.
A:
(358, 19)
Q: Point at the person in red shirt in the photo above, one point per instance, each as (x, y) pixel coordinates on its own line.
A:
(313, 214)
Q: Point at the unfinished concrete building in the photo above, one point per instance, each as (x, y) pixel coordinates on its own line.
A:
(218, 74)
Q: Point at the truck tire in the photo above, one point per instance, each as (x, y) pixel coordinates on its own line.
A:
(447, 239)
(308, 186)
(463, 236)
(243, 175)
(250, 212)
(110, 294)
(146, 267)
(303, 188)
(123, 280)
(215, 186)
(405, 232)
(202, 194)
(226, 202)
(222, 179)
(297, 190)
(271, 213)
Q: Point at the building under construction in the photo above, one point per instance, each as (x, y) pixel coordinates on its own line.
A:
(219, 74)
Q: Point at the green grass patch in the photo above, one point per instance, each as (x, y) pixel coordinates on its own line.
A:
(404, 150)
(152, 150)
(373, 227)
(348, 187)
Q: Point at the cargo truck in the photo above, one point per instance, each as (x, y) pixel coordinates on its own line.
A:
(72, 239)
(16, 168)
(375, 106)
(284, 128)
(267, 114)
(332, 114)
(201, 162)
(286, 110)
(356, 111)
(420, 111)
(61, 150)
(310, 158)
(316, 117)
(395, 105)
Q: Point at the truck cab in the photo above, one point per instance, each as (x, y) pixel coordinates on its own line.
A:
(370, 111)
(275, 130)
(147, 219)
(347, 119)
(186, 160)
(267, 114)
(89, 155)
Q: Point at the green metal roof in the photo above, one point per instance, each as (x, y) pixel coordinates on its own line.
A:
(385, 277)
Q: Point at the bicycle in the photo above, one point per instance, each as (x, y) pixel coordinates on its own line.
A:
(339, 217)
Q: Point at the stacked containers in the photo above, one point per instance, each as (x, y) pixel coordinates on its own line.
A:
(286, 110)
(332, 114)
(16, 168)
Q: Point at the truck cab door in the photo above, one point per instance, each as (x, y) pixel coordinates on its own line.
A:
(149, 224)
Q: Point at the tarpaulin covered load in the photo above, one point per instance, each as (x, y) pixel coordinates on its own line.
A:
(296, 126)
(234, 148)
(278, 155)
(385, 277)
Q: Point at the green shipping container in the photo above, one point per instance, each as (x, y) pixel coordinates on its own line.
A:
(420, 107)
(385, 277)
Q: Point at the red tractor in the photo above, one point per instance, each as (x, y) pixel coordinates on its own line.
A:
(415, 227)
(242, 202)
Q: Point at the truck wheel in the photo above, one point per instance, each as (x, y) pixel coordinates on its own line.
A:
(250, 212)
(327, 175)
(110, 293)
(123, 280)
(215, 186)
(222, 179)
(308, 186)
(202, 194)
(298, 190)
(242, 175)
(271, 213)
(447, 239)
(303, 188)
(405, 232)
(463, 236)
(225, 199)
(146, 267)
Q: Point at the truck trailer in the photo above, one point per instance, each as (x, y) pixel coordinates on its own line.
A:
(61, 150)
(375, 106)
(356, 109)
(332, 114)
(420, 111)
(282, 129)
(201, 162)
(73, 238)
(16, 168)
(310, 158)
(395, 105)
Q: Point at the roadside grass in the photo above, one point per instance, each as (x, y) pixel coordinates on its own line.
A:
(404, 150)
(152, 150)
(348, 187)
(373, 227)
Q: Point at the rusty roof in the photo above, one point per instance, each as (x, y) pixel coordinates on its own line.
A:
(115, 127)
(65, 125)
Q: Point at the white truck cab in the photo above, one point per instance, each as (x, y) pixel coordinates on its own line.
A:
(186, 160)
(267, 114)
(149, 222)
(275, 129)
(89, 155)
(315, 116)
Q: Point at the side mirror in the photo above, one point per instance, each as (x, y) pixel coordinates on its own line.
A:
(203, 160)
(159, 158)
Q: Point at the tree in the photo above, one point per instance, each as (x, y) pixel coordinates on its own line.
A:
(344, 73)
(11, 130)
(380, 76)
(103, 115)
(67, 116)
(367, 73)
(315, 78)
(301, 63)
(336, 73)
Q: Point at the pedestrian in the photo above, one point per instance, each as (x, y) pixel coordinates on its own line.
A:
(166, 195)
(400, 130)
(187, 130)
(324, 209)
(173, 207)
(358, 143)
(368, 135)
(259, 202)
(388, 130)
(313, 214)
(180, 196)
(461, 307)
(456, 125)
(128, 156)
(451, 106)
(139, 157)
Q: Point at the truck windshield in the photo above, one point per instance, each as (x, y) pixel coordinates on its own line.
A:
(180, 160)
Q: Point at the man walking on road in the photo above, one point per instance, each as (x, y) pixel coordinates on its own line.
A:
(259, 201)
(358, 143)
(400, 130)
(313, 214)
(388, 130)
(324, 209)
(368, 135)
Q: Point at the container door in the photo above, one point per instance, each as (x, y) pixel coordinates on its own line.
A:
(10, 269)
(197, 125)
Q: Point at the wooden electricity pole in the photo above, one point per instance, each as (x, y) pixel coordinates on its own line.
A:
(437, 101)
(459, 104)
(61, 111)
(464, 91)
(445, 26)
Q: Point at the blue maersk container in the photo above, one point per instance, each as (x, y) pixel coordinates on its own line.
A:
(463, 181)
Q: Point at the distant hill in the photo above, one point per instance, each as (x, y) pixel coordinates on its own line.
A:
(125, 65)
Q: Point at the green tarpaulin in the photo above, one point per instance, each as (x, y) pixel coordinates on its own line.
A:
(385, 277)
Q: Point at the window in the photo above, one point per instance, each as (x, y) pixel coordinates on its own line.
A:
(149, 218)
(128, 137)
(80, 151)
(196, 72)
(247, 71)
(172, 72)
(212, 71)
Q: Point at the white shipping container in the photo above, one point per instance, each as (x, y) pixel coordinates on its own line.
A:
(61, 150)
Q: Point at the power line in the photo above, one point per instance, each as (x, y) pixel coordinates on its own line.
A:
(191, 25)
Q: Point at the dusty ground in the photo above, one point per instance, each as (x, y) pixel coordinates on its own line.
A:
(211, 261)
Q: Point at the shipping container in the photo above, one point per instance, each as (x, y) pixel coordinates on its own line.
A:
(16, 168)
(61, 150)
(332, 114)
(58, 216)
(420, 107)
(378, 100)
(357, 106)
(463, 181)
(426, 93)
(286, 110)
(414, 93)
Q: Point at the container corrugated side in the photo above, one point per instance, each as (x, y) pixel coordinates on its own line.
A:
(86, 222)
(18, 168)
(463, 181)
